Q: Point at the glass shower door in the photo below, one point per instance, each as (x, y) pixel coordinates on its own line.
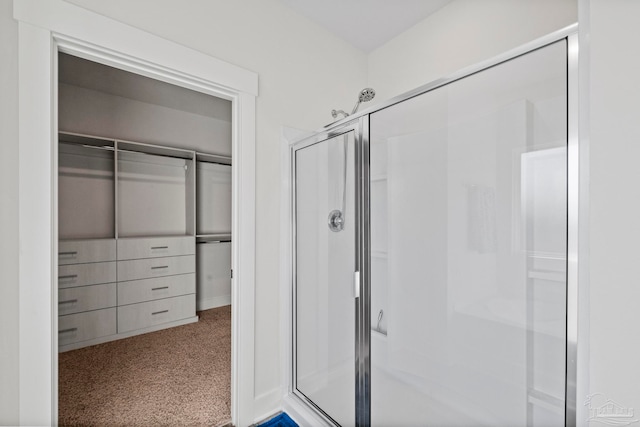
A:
(324, 275)
(469, 249)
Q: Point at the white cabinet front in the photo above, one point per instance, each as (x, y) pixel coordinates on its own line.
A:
(155, 247)
(155, 267)
(135, 291)
(86, 298)
(83, 251)
(146, 314)
(86, 274)
(78, 327)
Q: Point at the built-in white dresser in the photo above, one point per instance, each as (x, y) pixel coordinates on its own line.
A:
(87, 295)
(115, 288)
(156, 281)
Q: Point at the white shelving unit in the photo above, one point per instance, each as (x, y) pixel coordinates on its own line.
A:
(128, 216)
(213, 230)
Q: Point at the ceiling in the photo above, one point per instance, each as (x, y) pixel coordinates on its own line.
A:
(366, 24)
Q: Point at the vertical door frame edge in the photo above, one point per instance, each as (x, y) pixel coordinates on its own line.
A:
(363, 322)
(44, 30)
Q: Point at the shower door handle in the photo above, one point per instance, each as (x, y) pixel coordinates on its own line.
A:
(356, 284)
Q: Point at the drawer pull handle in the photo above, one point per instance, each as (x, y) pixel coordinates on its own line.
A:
(64, 331)
(70, 276)
(71, 301)
(159, 247)
(158, 268)
(159, 312)
(162, 287)
(68, 253)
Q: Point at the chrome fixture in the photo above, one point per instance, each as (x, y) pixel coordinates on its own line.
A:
(334, 113)
(337, 217)
(336, 220)
(366, 95)
(380, 315)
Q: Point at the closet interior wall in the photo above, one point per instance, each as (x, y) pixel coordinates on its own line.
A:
(130, 213)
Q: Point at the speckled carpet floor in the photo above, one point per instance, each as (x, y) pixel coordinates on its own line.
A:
(174, 377)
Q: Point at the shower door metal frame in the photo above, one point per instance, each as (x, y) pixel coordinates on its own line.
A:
(360, 128)
(577, 233)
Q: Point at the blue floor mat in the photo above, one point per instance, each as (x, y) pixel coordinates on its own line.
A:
(281, 420)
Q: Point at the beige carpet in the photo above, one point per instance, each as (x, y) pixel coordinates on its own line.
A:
(178, 376)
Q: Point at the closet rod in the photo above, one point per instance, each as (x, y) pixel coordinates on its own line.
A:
(214, 163)
(154, 154)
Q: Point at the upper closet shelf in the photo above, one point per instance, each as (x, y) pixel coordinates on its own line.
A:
(215, 237)
(86, 140)
(157, 150)
(213, 158)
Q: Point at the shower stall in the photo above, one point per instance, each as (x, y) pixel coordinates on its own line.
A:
(434, 251)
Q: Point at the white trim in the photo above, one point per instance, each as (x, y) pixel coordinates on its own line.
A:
(36, 227)
(45, 27)
(80, 24)
(267, 405)
(214, 302)
(584, 111)
(301, 413)
(243, 248)
(298, 414)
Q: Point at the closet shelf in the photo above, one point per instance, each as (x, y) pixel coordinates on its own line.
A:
(213, 158)
(86, 140)
(139, 147)
(216, 237)
(153, 236)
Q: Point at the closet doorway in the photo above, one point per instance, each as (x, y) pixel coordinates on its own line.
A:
(144, 249)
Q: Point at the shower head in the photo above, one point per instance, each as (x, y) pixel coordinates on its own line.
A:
(366, 95)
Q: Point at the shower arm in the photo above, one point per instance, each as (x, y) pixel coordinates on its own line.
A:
(334, 113)
(355, 107)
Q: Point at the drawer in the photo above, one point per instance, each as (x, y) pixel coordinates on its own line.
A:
(86, 274)
(78, 327)
(151, 289)
(86, 298)
(83, 251)
(155, 267)
(155, 247)
(145, 314)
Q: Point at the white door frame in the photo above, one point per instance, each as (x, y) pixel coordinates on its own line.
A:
(49, 26)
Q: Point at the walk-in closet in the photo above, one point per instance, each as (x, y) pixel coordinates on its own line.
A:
(144, 227)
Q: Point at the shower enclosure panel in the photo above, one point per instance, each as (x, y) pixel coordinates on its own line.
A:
(326, 278)
(475, 249)
(435, 251)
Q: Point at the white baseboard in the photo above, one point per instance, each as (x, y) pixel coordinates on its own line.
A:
(267, 405)
(206, 304)
(300, 413)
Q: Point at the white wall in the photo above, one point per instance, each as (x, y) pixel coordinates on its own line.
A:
(459, 35)
(304, 73)
(615, 200)
(8, 216)
(91, 112)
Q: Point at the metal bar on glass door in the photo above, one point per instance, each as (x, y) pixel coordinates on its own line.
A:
(573, 230)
